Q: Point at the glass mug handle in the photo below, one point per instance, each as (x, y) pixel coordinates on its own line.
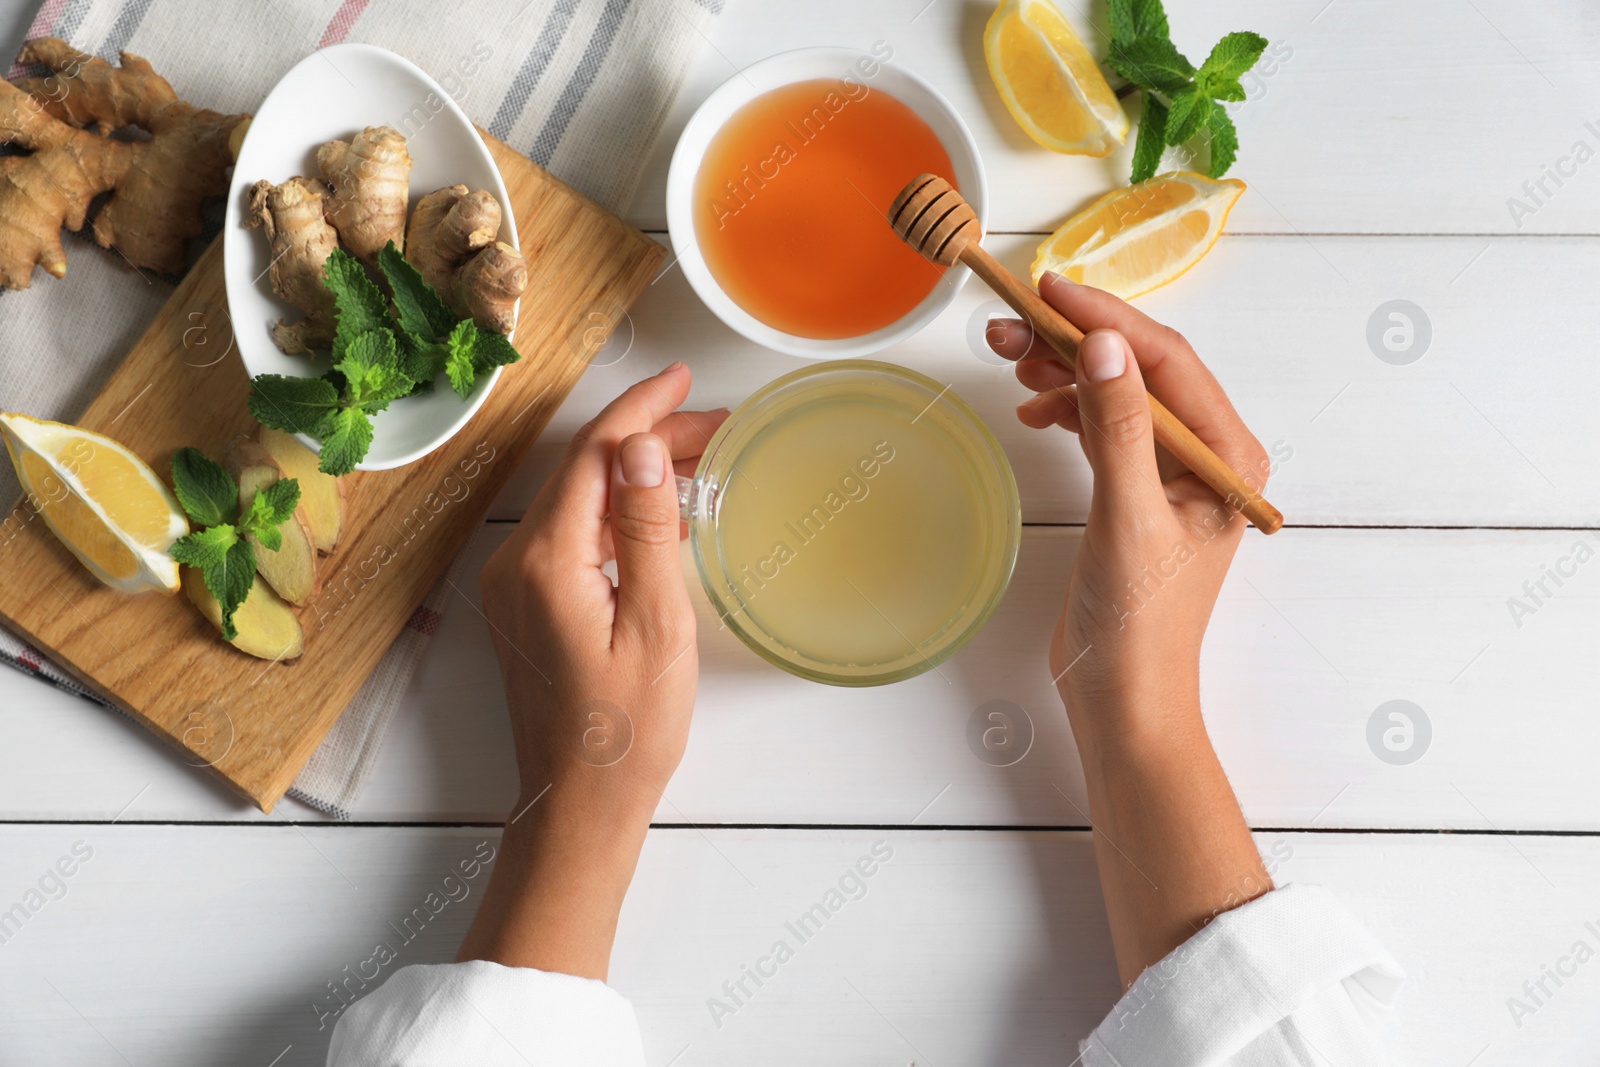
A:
(685, 497)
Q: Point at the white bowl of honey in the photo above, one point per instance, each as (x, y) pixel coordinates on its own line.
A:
(778, 199)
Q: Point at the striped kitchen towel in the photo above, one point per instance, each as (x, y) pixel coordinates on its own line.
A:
(581, 86)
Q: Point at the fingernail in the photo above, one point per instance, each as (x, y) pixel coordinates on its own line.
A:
(642, 462)
(1055, 279)
(1031, 412)
(1102, 356)
(675, 365)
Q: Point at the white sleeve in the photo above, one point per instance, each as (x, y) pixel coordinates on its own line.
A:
(1291, 978)
(487, 1015)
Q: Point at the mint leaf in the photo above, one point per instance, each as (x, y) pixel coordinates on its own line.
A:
(269, 509)
(493, 350)
(1189, 111)
(346, 442)
(375, 348)
(421, 361)
(291, 404)
(282, 497)
(229, 580)
(363, 354)
(269, 537)
(207, 548)
(203, 488)
(356, 298)
(1233, 91)
(1152, 139)
(417, 304)
(1151, 63)
(372, 376)
(1224, 141)
(459, 366)
(383, 386)
(1230, 57)
(1137, 18)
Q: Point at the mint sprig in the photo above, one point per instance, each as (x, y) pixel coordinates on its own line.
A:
(1181, 102)
(336, 409)
(383, 349)
(220, 547)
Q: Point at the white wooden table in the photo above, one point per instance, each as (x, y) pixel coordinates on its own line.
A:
(1380, 154)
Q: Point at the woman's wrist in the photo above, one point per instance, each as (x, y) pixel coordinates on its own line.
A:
(1136, 709)
(570, 838)
(567, 858)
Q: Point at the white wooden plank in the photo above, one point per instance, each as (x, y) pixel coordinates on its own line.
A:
(1480, 430)
(1423, 117)
(1315, 630)
(206, 945)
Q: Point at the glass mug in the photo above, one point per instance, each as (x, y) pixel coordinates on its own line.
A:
(854, 522)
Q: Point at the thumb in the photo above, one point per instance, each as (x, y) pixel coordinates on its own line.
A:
(1117, 433)
(644, 531)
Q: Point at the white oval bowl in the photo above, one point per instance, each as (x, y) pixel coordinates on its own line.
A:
(774, 72)
(334, 93)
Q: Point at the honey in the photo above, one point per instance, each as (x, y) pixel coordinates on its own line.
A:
(790, 208)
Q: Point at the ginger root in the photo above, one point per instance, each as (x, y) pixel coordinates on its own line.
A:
(157, 184)
(489, 285)
(451, 241)
(294, 216)
(370, 175)
(42, 192)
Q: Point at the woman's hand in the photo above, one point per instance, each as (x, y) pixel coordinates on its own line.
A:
(600, 679)
(1172, 846)
(1159, 540)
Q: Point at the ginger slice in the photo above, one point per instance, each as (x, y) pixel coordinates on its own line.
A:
(451, 241)
(321, 495)
(294, 216)
(292, 569)
(370, 175)
(268, 628)
(157, 185)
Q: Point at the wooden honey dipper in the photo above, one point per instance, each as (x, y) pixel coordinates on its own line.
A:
(932, 217)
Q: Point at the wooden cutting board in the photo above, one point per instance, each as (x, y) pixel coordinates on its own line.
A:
(256, 723)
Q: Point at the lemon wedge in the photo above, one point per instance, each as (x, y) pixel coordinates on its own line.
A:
(1049, 82)
(101, 500)
(1133, 240)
